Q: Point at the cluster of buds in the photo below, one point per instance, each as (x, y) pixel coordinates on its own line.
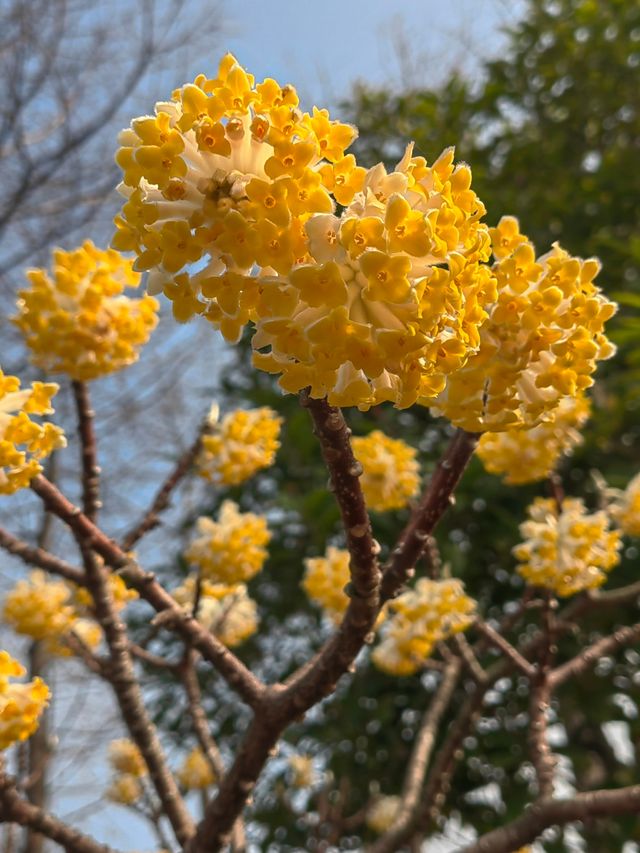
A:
(21, 705)
(224, 609)
(566, 548)
(422, 617)
(129, 770)
(243, 442)
(232, 549)
(23, 442)
(78, 320)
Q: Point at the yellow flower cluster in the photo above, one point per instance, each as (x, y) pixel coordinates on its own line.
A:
(120, 594)
(325, 579)
(301, 771)
(566, 551)
(527, 455)
(196, 773)
(232, 549)
(626, 508)
(23, 442)
(540, 343)
(43, 609)
(20, 704)
(224, 609)
(129, 768)
(390, 296)
(244, 442)
(432, 611)
(222, 178)
(78, 320)
(390, 471)
(383, 813)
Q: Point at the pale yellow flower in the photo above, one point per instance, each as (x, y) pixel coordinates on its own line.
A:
(196, 772)
(390, 471)
(21, 705)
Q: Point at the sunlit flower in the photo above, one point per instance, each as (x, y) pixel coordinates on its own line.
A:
(244, 442)
(625, 508)
(21, 705)
(224, 609)
(432, 611)
(382, 814)
(390, 471)
(23, 442)
(232, 549)
(540, 344)
(567, 550)
(389, 300)
(301, 771)
(124, 790)
(39, 607)
(220, 180)
(78, 320)
(527, 455)
(196, 772)
(125, 757)
(325, 579)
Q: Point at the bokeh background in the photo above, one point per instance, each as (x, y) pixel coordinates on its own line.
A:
(541, 98)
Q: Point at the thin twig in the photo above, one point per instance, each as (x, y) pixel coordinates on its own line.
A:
(161, 500)
(587, 657)
(90, 467)
(39, 557)
(497, 640)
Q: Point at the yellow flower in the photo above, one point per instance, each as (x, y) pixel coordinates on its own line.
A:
(626, 508)
(232, 549)
(120, 593)
(21, 705)
(390, 296)
(244, 442)
(540, 344)
(382, 814)
(78, 320)
(125, 757)
(566, 551)
(431, 612)
(391, 473)
(301, 771)
(224, 609)
(196, 773)
(325, 579)
(527, 455)
(124, 790)
(23, 442)
(222, 178)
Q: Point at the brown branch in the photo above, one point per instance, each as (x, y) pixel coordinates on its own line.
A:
(39, 557)
(120, 673)
(14, 809)
(546, 813)
(542, 757)
(419, 761)
(171, 615)
(590, 655)
(90, 467)
(497, 640)
(435, 501)
(203, 733)
(161, 500)
(468, 657)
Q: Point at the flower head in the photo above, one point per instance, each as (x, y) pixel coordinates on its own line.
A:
(224, 609)
(78, 320)
(23, 442)
(125, 757)
(541, 342)
(301, 771)
(222, 179)
(196, 772)
(625, 509)
(566, 550)
(391, 473)
(325, 579)
(124, 789)
(243, 443)
(21, 705)
(390, 296)
(232, 549)
(432, 611)
(527, 455)
(382, 814)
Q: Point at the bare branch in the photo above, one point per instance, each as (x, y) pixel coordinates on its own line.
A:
(41, 558)
(90, 467)
(587, 657)
(546, 813)
(497, 640)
